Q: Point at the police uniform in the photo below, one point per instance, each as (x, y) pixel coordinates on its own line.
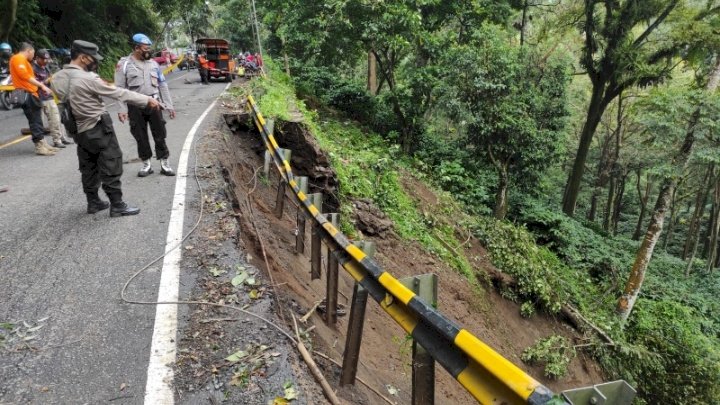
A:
(99, 154)
(145, 77)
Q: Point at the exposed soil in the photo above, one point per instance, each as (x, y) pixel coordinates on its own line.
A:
(385, 354)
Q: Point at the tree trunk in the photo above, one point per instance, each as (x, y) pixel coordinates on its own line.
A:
(612, 189)
(705, 235)
(372, 85)
(603, 176)
(644, 254)
(598, 104)
(501, 196)
(691, 240)
(286, 59)
(7, 19)
(712, 256)
(618, 201)
(387, 70)
(523, 23)
(644, 197)
(673, 220)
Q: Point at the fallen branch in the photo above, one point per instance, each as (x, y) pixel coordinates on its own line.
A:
(329, 393)
(310, 312)
(378, 393)
(574, 315)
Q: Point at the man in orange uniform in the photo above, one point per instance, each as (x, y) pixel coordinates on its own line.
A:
(23, 78)
(203, 68)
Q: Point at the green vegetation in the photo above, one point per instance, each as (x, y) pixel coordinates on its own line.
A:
(367, 167)
(579, 138)
(449, 108)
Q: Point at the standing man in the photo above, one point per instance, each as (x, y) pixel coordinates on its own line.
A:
(140, 73)
(49, 108)
(24, 78)
(98, 150)
(204, 73)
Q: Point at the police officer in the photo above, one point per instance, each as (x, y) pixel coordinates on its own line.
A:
(98, 150)
(140, 73)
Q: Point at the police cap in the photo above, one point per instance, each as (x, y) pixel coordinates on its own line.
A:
(141, 39)
(87, 48)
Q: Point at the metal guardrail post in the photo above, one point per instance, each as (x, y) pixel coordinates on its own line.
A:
(270, 125)
(353, 339)
(331, 277)
(280, 199)
(300, 237)
(351, 355)
(316, 240)
(423, 365)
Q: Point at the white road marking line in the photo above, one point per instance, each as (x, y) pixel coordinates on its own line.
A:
(159, 387)
(177, 78)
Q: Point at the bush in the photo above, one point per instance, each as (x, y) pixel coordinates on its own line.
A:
(555, 352)
(682, 366)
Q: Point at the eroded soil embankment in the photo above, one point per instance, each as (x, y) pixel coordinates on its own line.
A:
(385, 353)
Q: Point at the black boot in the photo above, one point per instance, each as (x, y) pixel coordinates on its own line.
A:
(121, 209)
(95, 204)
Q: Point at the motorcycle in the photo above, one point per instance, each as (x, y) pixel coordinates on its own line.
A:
(5, 95)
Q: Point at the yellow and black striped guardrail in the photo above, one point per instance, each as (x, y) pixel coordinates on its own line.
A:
(488, 376)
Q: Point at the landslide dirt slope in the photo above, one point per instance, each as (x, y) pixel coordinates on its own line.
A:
(385, 354)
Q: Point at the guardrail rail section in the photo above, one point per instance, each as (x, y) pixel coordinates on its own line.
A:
(488, 376)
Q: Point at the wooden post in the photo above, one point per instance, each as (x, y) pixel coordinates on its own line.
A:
(351, 354)
(331, 292)
(302, 182)
(423, 365)
(316, 240)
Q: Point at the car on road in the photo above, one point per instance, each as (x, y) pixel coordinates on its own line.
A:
(165, 57)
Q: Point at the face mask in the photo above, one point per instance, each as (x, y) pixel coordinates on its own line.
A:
(146, 55)
(92, 66)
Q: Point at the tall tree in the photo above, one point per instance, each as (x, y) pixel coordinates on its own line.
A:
(697, 118)
(625, 44)
(514, 104)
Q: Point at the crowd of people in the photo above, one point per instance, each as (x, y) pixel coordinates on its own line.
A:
(142, 90)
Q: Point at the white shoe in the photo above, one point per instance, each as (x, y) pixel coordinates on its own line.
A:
(146, 169)
(165, 168)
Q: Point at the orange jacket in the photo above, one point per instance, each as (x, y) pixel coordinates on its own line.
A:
(203, 62)
(21, 72)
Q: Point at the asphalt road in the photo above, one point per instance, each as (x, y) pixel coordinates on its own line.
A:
(62, 270)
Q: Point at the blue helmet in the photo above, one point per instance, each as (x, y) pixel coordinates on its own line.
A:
(141, 39)
(5, 47)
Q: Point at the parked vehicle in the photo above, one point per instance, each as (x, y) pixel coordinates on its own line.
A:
(189, 62)
(165, 57)
(5, 80)
(220, 62)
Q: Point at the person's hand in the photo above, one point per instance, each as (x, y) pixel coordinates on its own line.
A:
(46, 89)
(122, 117)
(172, 114)
(153, 104)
